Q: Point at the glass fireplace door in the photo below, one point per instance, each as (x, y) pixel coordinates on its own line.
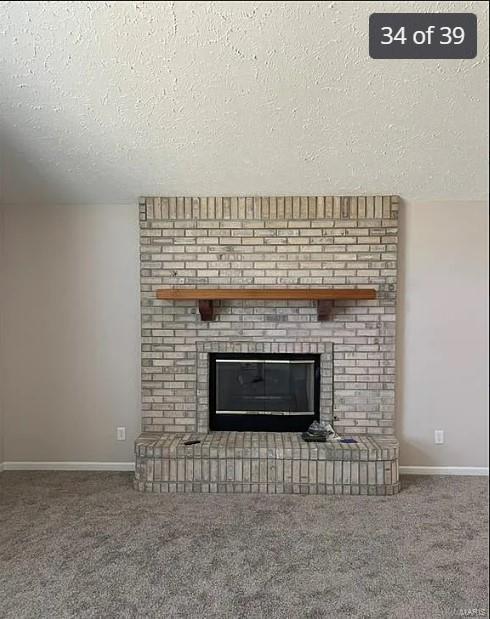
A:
(263, 392)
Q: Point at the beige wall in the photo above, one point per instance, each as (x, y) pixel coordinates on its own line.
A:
(70, 333)
(442, 345)
(2, 301)
(70, 340)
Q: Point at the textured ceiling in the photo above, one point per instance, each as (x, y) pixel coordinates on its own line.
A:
(105, 101)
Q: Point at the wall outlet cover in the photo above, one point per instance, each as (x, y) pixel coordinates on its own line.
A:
(121, 434)
(439, 437)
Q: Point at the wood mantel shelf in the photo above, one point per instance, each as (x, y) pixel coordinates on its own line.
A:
(325, 297)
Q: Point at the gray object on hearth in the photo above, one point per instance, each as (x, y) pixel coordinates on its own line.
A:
(319, 432)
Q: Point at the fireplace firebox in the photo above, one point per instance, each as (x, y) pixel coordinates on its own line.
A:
(263, 392)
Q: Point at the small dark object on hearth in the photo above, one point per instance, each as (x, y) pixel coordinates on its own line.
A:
(191, 442)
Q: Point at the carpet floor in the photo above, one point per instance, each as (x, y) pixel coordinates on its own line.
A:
(87, 545)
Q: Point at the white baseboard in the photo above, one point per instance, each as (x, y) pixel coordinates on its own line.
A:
(67, 466)
(444, 470)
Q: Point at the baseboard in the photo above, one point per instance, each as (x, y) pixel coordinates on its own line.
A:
(67, 466)
(444, 470)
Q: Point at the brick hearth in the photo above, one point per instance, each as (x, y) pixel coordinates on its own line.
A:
(265, 462)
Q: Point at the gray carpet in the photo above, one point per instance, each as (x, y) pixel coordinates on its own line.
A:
(87, 545)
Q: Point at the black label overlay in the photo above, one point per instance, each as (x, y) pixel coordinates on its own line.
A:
(422, 35)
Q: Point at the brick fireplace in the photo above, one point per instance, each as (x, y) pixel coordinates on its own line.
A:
(268, 243)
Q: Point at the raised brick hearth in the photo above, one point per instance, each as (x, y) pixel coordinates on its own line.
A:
(265, 462)
(272, 242)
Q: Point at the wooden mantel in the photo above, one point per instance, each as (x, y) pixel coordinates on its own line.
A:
(325, 297)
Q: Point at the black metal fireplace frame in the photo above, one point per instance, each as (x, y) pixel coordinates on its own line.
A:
(261, 422)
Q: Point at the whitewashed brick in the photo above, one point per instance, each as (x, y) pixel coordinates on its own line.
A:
(269, 241)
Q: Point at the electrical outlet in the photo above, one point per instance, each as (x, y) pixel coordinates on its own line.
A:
(121, 434)
(439, 437)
